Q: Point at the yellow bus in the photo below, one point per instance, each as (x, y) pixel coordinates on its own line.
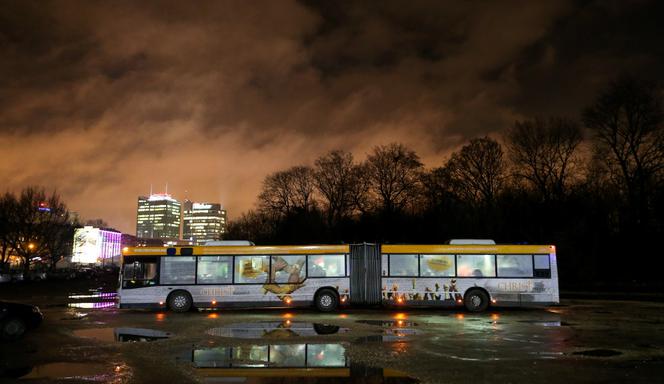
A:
(474, 276)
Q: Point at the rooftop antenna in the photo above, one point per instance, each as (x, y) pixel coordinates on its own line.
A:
(150, 189)
(167, 188)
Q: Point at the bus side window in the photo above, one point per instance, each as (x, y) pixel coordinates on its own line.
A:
(476, 266)
(139, 274)
(214, 270)
(251, 269)
(515, 265)
(403, 265)
(542, 266)
(326, 265)
(288, 269)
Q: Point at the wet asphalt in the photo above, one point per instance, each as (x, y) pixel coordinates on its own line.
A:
(85, 339)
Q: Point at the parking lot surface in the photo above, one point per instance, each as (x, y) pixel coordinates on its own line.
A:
(84, 338)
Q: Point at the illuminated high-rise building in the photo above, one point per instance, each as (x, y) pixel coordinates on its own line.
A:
(203, 222)
(158, 217)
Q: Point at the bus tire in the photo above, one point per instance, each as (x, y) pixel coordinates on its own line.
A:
(180, 301)
(476, 300)
(326, 300)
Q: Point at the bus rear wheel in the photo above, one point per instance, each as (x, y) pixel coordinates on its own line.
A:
(326, 300)
(476, 300)
(180, 301)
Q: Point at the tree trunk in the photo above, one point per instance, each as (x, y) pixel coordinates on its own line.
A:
(26, 267)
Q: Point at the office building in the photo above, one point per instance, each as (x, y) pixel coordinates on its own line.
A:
(203, 222)
(158, 217)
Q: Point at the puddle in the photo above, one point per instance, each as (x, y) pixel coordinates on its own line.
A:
(92, 300)
(275, 329)
(98, 295)
(394, 329)
(294, 362)
(389, 323)
(123, 335)
(547, 323)
(78, 371)
(598, 353)
(92, 305)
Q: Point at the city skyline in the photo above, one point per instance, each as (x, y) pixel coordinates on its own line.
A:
(108, 98)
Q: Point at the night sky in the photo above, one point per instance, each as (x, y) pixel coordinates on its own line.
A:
(102, 99)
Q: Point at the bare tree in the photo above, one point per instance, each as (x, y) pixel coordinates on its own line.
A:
(627, 120)
(275, 196)
(478, 171)
(287, 191)
(360, 188)
(40, 223)
(7, 208)
(334, 178)
(251, 225)
(437, 186)
(543, 153)
(394, 174)
(302, 179)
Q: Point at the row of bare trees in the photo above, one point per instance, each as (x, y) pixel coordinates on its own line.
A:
(392, 180)
(34, 225)
(544, 179)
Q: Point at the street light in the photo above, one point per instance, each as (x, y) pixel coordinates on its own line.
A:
(31, 246)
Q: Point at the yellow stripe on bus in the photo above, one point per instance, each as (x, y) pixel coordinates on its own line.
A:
(244, 250)
(461, 249)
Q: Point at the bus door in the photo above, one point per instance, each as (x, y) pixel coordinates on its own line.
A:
(365, 274)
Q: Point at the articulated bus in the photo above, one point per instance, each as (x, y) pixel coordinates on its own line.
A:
(474, 276)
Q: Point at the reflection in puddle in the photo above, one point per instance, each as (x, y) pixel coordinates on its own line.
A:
(92, 300)
(100, 305)
(394, 329)
(273, 355)
(110, 335)
(305, 361)
(547, 323)
(274, 329)
(99, 295)
(389, 323)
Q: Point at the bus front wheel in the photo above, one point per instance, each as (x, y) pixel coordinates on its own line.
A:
(179, 301)
(476, 300)
(326, 300)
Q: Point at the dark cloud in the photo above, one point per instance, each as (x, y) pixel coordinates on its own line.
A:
(102, 99)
